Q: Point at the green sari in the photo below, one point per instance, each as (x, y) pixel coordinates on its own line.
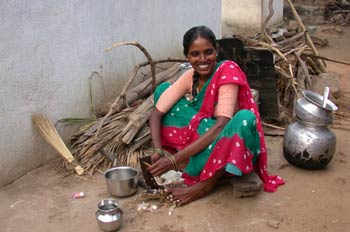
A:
(239, 148)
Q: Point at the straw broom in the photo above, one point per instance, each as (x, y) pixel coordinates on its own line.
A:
(48, 131)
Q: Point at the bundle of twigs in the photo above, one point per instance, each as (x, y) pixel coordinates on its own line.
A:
(124, 134)
(338, 12)
(87, 146)
(122, 130)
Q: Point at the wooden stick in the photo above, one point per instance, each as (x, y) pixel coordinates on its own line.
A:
(286, 49)
(291, 39)
(325, 58)
(340, 128)
(113, 107)
(139, 142)
(263, 27)
(295, 49)
(256, 43)
(276, 50)
(137, 119)
(341, 11)
(308, 38)
(142, 89)
(282, 72)
(305, 71)
(291, 79)
(313, 65)
(272, 126)
(300, 79)
(163, 61)
(143, 49)
(131, 79)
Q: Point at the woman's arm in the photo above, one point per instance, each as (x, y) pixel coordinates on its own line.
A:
(204, 141)
(163, 165)
(154, 121)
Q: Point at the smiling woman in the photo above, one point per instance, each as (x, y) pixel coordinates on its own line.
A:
(215, 132)
(202, 55)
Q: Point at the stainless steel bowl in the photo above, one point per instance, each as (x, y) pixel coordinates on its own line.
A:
(310, 109)
(122, 181)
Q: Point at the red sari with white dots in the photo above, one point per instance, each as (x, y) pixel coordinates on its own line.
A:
(240, 148)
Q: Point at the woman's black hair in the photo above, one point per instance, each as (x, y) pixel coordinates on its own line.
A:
(191, 35)
(196, 32)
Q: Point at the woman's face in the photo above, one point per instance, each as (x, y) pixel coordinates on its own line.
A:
(202, 56)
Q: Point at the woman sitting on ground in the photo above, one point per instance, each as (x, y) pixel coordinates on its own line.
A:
(209, 120)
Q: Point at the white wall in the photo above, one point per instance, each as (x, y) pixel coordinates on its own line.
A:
(277, 8)
(247, 16)
(49, 49)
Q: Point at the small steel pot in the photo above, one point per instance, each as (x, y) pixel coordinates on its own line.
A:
(109, 215)
(122, 181)
(310, 109)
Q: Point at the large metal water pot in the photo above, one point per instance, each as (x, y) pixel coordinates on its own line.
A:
(308, 143)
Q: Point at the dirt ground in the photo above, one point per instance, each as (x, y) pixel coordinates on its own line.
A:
(310, 201)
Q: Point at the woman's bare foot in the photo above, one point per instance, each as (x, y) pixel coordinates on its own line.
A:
(184, 195)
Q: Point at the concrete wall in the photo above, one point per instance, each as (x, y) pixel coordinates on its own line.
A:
(49, 49)
(247, 16)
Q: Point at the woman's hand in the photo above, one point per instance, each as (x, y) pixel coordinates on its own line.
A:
(160, 166)
(155, 156)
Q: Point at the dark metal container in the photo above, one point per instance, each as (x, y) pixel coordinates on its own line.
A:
(309, 146)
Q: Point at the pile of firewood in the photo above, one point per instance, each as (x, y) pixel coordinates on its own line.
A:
(122, 135)
(296, 59)
(338, 12)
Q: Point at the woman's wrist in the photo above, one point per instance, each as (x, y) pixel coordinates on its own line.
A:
(158, 150)
(172, 160)
(168, 155)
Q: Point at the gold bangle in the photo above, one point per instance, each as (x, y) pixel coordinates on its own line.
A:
(173, 161)
(159, 151)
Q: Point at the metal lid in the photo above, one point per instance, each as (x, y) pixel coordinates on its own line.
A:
(317, 99)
